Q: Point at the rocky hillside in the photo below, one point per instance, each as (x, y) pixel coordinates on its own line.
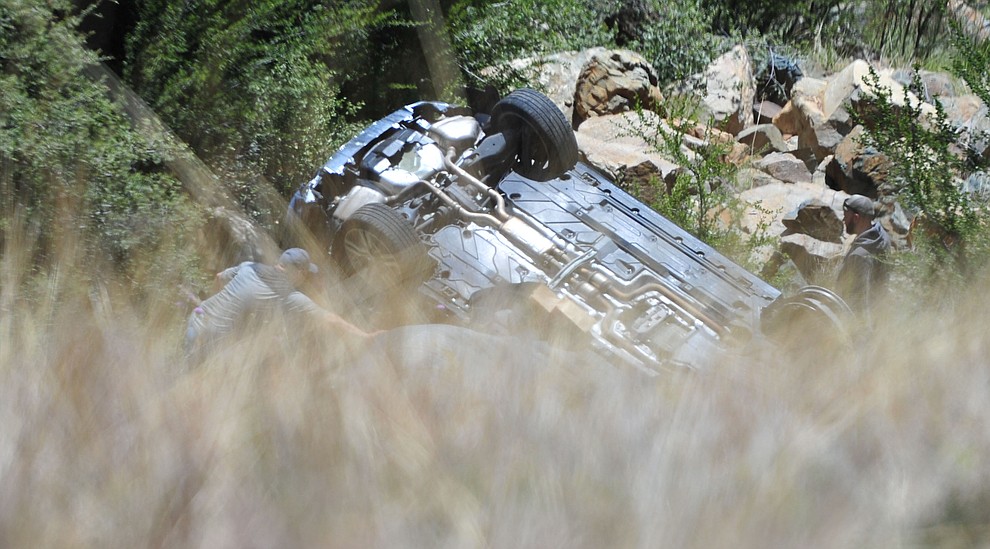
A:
(798, 152)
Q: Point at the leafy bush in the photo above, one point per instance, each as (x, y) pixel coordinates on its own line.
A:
(951, 227)
(700, 198)
(490, 34)
(252, 87)
(971, 62)
(70, 163)
(679, 43)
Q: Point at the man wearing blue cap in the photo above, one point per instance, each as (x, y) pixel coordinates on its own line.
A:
(863, 275)
(252, 294)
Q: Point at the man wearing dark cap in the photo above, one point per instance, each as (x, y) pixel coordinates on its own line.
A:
(864, 274)
(252, 295)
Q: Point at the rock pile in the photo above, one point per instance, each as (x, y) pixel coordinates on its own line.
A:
(798, 149)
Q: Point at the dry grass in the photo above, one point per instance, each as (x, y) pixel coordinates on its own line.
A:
(439, 437)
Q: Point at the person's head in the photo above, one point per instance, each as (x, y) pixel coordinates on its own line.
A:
(296, 265)
(858, 213)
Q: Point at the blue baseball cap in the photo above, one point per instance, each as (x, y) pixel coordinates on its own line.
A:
(297, 258)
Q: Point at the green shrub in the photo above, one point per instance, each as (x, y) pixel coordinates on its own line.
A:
(680, 42)
(253, 87)
(70, 163)
(951, 227)
(971, 62)
(487, 35)
(700, 200)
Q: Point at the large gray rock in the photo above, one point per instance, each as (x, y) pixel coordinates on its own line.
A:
(770, 203)
(726, 90)
(816, 260)
(805, 117)
(856, 169)
(972, 22)
(936, 84)
(849, 88)
(815, 219)
(821, 114)
(612, 144)
(794, 117)
(747, 178)
(613, 82)
(971, 116)
(762, 139)
(784, 167)
(765, 111)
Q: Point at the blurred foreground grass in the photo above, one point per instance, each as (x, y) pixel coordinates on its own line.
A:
(439, 437)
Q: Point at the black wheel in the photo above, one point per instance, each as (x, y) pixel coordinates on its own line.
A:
(547, 147)
(813, 310)
(379, 243)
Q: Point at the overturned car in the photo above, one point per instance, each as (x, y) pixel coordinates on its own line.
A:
(492, 219)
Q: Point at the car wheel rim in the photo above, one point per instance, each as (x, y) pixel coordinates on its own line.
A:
(533, 152)
(366, 251)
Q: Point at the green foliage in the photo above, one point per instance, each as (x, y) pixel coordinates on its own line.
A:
(900, 30)
(69, 161)
(971, 62)
(795, 20)
(490, 34)
(680, 42)
(253, 87)
(700, 199)
(904, 29)
(951, 226)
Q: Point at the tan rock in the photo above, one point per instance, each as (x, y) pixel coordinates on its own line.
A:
(611, 143)
(614, 81)
(815, 259)
(784, 167)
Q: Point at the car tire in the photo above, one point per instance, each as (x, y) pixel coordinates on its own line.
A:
(813, 309)
(378, 239)
(547, 146)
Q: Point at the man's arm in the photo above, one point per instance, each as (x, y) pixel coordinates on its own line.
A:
(228, 274)
(301, 303)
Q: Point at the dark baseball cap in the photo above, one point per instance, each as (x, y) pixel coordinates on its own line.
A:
(860, 204)
(298, 259)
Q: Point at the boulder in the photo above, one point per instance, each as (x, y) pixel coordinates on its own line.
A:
(977, 185)
(971, 116)
(697, 137)
(726, 89)
(610, 143)
(785, 167)
(612, 82)
(848, 89)
(747, 178)
(762, 139)
(765, 111)
(805, 96)
(972, 22)
(856, 169)
(820, 111)
(770, 203)
(815, 219)
(936, 84)
(815, 259)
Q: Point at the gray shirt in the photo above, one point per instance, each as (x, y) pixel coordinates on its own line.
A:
(864, 273)
(253, 295)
